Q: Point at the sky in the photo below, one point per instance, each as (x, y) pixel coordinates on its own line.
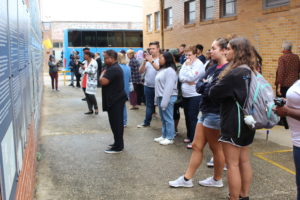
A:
(92, 10)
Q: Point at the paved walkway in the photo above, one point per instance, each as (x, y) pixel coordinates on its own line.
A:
(73, 165)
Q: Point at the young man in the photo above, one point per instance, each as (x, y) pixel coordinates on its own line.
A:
(200, 55)
(150, 67)
(113, 99)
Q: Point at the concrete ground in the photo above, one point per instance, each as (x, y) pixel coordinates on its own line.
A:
(73, 165)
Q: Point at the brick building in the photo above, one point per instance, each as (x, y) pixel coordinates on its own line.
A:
(266, 23)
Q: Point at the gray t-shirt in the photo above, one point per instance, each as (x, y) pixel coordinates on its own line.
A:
(150, 74)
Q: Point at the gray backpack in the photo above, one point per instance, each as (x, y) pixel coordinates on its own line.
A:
(259, 103)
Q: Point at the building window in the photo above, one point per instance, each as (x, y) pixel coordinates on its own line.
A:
(190, 12)
(207, 9)
(149, 22)
(168, 17)
(157, 21)
(228, 8)
(275, 3)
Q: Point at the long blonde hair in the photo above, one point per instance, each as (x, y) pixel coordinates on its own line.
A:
(122, 59)
(243, 55)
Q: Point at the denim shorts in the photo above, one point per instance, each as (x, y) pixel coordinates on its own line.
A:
(210, 120)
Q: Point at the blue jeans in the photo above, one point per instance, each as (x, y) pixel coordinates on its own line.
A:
(72, 77)
(168, 128)
(125, 115)
(296, 152)
(149, 97)
(191, 111)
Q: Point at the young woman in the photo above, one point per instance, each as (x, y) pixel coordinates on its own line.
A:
(53, 72)
(292, 111)
(89, 82)
(208, 127)
(127, 79)
(190, 72)
(165, 96)
(236, 136)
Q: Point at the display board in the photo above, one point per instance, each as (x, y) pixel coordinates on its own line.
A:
(21, 86)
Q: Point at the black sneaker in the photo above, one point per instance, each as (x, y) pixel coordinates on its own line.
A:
(113, 150)
(84, 99)
(89, 113)
(143, 126)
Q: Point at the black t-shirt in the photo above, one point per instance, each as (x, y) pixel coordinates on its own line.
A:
(202, 58)
(114, 91)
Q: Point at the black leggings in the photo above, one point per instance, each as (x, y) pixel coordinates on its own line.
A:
(91, 101)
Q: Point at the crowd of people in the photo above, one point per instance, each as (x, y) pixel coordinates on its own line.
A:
(208, 88)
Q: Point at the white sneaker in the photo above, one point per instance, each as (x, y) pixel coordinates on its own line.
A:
(158, 139)
(166, 142)
(210, 182)
(211, 162)
(180, 182)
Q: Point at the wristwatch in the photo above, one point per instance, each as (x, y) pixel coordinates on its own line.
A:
(152, 61)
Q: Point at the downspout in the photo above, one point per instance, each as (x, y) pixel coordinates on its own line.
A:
(162, 21)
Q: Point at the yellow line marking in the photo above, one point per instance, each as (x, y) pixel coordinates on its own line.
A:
(261, 156)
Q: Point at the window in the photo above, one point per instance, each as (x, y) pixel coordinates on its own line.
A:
(228, 8)
(168, 17)
(115, 39)
(207, 8)
(134, 39)
(190, 12)
(102, 39)
(89, 38)
(275, 3)
(74, 39)
(149, 22)
(157, 21)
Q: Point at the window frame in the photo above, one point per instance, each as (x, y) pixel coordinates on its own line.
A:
(187, 12)
(168, 20)
(149, 23)
(223, 8)
(203, 10)
(265, 4)
(157, 20)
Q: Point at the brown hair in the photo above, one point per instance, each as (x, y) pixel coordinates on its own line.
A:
(243, 55)
(193, 49)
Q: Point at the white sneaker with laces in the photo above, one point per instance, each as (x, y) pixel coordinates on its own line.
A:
(210, 182)
(180, 182)
(158, 139)
(166, 142)
(211, 162)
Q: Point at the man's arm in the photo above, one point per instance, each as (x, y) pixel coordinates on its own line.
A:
(151, 60)
(280, 74)
(142, 68)
(286, 111)
(103, 81)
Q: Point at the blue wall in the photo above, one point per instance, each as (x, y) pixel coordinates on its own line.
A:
(21, 84)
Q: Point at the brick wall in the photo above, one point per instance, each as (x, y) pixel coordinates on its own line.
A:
(26, 180)
(265, 28)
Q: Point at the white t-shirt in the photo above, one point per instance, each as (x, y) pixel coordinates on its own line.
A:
(150, 74)
(293, 101)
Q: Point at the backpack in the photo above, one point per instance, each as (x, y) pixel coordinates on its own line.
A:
(259, 103)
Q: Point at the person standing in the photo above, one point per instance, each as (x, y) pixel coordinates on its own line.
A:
(127, 81)
(99, 63)
(200, 55)
(288, 69)
(150, 67)
(236, 136)
(90, 71)
(72, 66)
(113, 99)
(208, 126)
(53, 72)
(165, 96)
(77, 65)
(292, 111)
(135, 78)
(189, 75)
(181, 50)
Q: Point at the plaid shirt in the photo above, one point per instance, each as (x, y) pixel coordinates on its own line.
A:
(135, 75)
